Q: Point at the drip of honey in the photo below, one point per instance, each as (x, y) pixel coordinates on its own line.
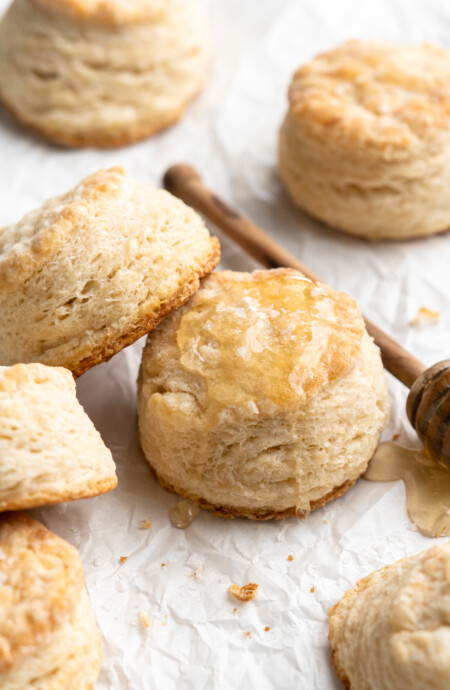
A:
(183, 513)
(427, 485)
(275, 338)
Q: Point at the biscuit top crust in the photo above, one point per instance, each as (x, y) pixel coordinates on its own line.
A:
(25, 246)
(268, 336)
(110, 12)
(20, 376)
(393, 628)
(41, 578)
(423, 603)
(379, 96)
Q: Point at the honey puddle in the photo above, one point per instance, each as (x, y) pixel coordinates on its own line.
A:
(183, 513)
(427, 485)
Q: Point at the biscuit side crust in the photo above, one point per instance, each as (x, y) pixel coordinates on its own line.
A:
(95, 140)
(42, 580)
(104, 351)
(230, 512)
(40, 498)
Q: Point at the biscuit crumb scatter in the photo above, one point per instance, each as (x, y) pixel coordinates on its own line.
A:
(313, 589)
(396, 437)
(244, 593)
(144, 619)
(234, 610)
(425, 317)
(266, 629)
(163, 565)
(290, 558)
(146, 524)
(247, 634)
(122, 559)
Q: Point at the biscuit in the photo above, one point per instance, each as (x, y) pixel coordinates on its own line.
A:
(392, 630)
(93, 270)
(96, 73)
(50, 451)
(263, 396)
(48, 634)
(365, 145)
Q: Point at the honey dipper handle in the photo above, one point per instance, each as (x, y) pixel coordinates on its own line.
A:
(185, 182)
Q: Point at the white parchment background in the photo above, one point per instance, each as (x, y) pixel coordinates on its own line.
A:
(230, 134)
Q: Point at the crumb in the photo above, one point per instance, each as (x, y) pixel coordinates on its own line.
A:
(166, 615)
(325, 522)
(266, 629)
(244, 593)
(234, 610)
(144, 619)
(313, 589)
(163, 624)
(146, 524)
(290, 558)
(425, 317)
(259, 527)
(122, 559)
(396, 437)
(163, 565)
(247, 634)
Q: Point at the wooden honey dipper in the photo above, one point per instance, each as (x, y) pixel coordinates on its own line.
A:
(428, 404)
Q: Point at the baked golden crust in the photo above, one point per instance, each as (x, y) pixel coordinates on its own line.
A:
(150, 321)
(230, 512)
(374, 96)
(110, 12)
(97, 73)
(106, 140)
(365, 144)
(50, 451)
(391, 630)
(245, 395)
(42, 578)
(93, 270)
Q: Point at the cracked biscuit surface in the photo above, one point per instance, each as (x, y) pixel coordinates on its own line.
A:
(392, 630)
(49, 638)
(365, 145)
(97, 73)
(93, 270)
(262, 397)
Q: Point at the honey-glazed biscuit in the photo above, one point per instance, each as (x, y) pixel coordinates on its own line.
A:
(262, 397)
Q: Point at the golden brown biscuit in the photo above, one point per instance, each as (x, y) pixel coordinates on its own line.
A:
(263, 396)
(365, 145)
(95, 73)
(48, 634)
(50, 451)
(392, 630)
(93, 270)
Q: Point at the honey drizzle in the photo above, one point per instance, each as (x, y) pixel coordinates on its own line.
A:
(183, 513)
(427, 485)
(249, 336)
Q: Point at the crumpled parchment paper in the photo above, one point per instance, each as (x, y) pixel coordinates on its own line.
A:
(195, 639)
